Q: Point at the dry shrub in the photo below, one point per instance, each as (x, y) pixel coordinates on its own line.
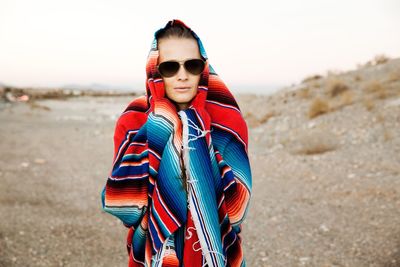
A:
(304, 93)
(380, 118)
(255, 121)
(380, 59)
(312, 141)
(357, 78)
(373, 87)
(311, 78)
(318, 107)
(336, 87)
(376, 88)
(266, 117)
(369, 104)
(394, 76)
(377, 60)
(250, 119)
(387, 136)
(346, 98)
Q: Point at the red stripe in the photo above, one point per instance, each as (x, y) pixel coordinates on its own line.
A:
(165, 214)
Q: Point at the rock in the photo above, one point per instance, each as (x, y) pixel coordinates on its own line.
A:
(40, 161)
(304, 260)
(25, 164)
(324, 228)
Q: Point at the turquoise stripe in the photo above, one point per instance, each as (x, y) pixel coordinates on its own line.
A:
(135, 157)
(130, 216)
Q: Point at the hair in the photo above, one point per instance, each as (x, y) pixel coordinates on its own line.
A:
(175, 31)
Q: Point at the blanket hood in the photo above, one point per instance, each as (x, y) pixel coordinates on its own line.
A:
(155, 90)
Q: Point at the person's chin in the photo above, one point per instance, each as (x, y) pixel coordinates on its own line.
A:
(183, 96)
(182, 100)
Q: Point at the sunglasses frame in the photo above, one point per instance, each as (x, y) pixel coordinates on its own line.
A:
(181, 63)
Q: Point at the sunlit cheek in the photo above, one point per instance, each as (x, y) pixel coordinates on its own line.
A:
(168, 86)
(197, 80)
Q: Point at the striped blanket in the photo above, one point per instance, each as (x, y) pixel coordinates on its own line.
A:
(145, 189)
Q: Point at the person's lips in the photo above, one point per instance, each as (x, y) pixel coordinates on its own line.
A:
(182, 88)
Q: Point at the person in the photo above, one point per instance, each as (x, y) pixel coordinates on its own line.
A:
(181, 179)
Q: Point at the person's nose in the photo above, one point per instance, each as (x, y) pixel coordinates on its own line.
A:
(182, 73)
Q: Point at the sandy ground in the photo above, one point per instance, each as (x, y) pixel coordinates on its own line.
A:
(326, 190)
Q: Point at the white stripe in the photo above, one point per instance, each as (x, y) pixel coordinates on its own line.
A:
(186, 159)
(223, 105)
(158, 258)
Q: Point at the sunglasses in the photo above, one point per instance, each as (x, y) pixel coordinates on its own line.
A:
(170, 68)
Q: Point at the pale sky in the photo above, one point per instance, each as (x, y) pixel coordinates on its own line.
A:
(253, 45)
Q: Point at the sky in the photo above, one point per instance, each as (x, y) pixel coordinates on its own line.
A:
(255, 46)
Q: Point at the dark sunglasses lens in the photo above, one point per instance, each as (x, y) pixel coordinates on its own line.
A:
(194, 66)
(168, 68)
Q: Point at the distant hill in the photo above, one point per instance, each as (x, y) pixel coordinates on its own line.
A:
(371, 83)
(96, 86)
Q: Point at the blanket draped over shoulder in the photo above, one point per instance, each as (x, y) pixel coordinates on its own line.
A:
(145, 189)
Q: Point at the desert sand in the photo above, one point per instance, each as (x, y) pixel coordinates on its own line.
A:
(325, 157)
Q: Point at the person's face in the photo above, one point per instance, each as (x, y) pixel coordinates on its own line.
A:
(182, 87)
